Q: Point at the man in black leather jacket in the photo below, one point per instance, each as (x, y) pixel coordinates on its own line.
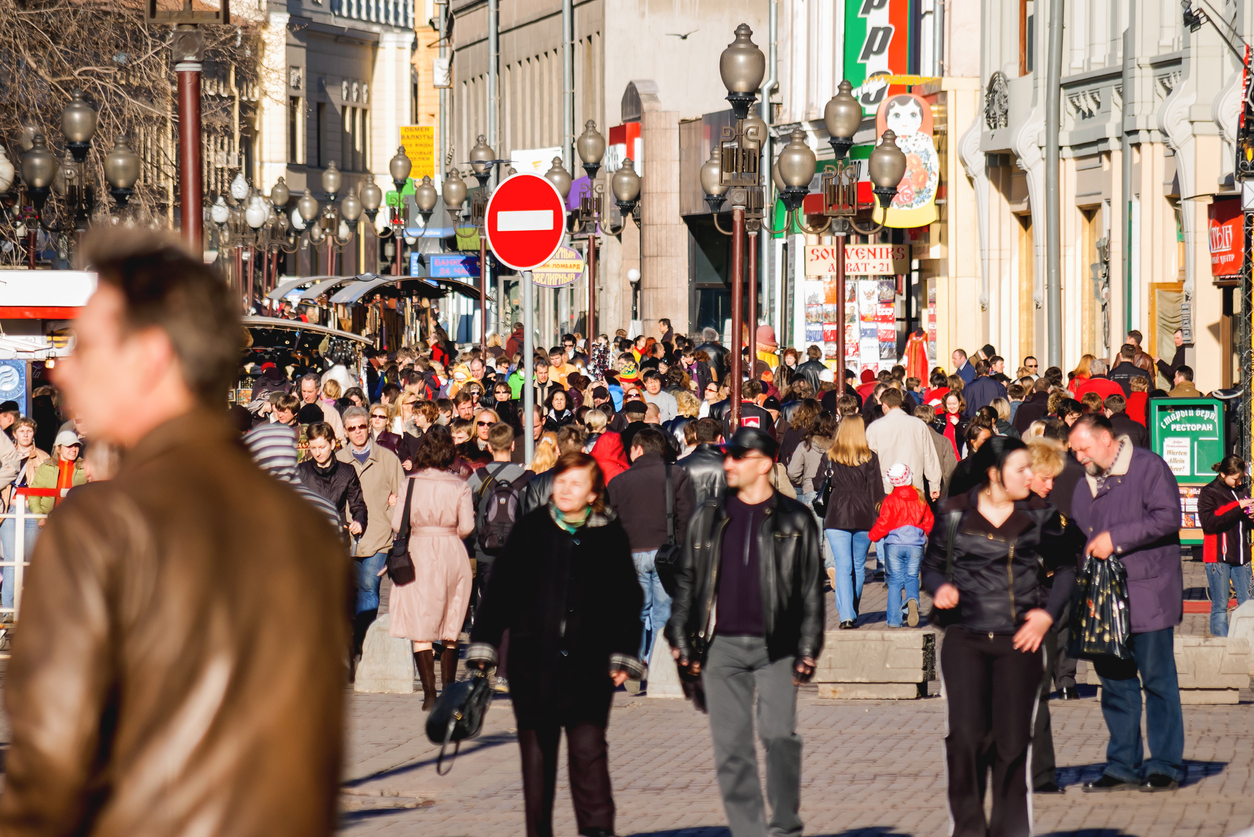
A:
(716, 350)
(705, 464)
(758, 552)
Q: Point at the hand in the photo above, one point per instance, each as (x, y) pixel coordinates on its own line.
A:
(619, 677)
(1245, 504)
(391, 500)
(1036, 623)
(354, 528)
(481, 665)
(936, 494)
(803, 670)
(946, 597)
(1100, 546)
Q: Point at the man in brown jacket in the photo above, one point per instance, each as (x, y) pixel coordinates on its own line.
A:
(177, 668)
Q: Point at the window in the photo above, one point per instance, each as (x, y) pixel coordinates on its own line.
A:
(1027, 34)
(294, 114)
(348, 129)
(320, 134)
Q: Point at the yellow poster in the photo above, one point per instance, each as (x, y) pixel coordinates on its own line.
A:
(419, 143)
(910, 118)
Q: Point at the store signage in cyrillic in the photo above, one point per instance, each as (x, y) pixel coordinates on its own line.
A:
(860, 259)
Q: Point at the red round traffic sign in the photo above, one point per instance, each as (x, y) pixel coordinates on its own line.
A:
(525, 220)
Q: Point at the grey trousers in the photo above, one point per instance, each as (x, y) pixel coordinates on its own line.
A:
(735, 669)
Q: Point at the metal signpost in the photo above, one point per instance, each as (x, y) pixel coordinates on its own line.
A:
(525, 223)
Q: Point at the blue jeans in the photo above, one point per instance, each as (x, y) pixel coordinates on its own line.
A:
(8, 533)
(657, 605)
(902, 563)
(1154, 660)
(849, 551)
(1217, 577)
(368, 580)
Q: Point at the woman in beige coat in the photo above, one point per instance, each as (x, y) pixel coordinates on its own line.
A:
(432, 608)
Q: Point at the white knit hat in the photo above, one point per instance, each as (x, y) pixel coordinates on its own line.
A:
(899, 474)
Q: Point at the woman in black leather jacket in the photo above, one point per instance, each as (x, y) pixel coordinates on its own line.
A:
(986, 564)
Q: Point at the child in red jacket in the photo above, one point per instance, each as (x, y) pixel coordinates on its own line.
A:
(904, 523)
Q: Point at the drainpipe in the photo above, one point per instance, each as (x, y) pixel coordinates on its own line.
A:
(442, 11)
(1125, 154)
(766, 249)
(1053, 213)
(494, 50)
(568, 83)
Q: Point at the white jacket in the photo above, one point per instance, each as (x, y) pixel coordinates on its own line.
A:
(899, 437)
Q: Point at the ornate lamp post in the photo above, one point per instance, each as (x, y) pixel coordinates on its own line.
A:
(482, 162)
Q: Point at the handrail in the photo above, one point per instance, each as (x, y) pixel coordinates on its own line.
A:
(18, 513)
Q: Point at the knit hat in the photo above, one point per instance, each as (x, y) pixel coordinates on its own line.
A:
(899, 474)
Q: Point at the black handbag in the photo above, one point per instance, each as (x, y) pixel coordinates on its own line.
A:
(400, 565)
(823, 494)
(458, 714)
(1100, 623)
(670, 553)
(943, 617)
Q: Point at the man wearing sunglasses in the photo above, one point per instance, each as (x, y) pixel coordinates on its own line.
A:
(743, 640)
(381, 477)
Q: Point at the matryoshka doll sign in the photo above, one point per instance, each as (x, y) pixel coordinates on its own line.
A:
(909, 116)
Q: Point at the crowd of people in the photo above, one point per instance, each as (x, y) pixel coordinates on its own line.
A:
(648, 528)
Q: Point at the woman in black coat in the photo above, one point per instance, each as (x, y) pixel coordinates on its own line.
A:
(565, 588)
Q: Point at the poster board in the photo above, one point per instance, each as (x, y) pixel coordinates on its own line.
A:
(1188, 433)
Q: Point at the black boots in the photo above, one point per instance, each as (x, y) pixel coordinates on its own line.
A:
(448, 665)
(425, 660)
(361, 624)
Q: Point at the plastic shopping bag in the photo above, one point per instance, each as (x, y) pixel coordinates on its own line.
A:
(1100, 624)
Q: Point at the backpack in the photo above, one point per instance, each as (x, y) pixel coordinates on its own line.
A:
(498, 509)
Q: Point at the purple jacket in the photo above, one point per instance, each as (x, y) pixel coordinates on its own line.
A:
(1139, 505)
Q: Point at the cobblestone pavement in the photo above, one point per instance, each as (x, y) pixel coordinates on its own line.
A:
(870, 768)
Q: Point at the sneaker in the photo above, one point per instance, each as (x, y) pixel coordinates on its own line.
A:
(912, 613)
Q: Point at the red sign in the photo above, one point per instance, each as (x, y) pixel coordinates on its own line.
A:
(525, 220)
(1226, 237)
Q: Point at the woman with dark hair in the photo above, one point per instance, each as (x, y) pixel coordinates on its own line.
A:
(1223, 506)
(558, 413)
(787, 369)
(800, 423)
(987, 561)
(809, 459)
(432, 608)
(950, 423)
(565, 588)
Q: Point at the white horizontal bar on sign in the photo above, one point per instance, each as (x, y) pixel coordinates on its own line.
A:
(524, 220)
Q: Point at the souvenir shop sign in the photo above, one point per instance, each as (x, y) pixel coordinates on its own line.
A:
(860, 259)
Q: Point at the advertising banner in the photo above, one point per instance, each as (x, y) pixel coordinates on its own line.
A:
(1226, 237)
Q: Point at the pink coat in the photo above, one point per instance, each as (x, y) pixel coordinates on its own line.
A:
(433, 607)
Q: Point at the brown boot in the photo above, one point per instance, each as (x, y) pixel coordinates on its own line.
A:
(448, 665)
(425, 660)
(831, 578)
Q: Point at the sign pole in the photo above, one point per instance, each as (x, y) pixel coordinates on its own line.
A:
(839, 230)
(529, 350)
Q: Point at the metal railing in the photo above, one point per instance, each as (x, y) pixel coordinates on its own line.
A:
(19, 514)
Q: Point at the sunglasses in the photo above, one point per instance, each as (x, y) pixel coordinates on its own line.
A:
(355, 427)
(379, 416)
(485, 423)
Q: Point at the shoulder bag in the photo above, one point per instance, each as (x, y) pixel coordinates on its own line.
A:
(458, 714)
(670, 553)
(400, 565)
(944, 617)
(823, 489)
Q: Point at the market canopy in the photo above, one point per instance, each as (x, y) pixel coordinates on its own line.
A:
(286, 287)
(417, 285)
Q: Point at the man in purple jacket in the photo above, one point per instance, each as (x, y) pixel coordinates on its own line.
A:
(1129, 506)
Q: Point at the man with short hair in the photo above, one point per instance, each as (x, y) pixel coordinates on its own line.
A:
(1168, 370)
(1142, 360)
(997, 369)
(543, 385)
(764, 642)
(1122, 423)
(666, 334)
(309, 390)
(558, 367)
(1129, 506)
(502, 469)
(751, 415)
(171, 678)
(962, 368)
(1183, 384)
(380, 474)
(1031, 364)
(1125, 370)
(705, 464)
(325, 475)
(899, 437)
(982, 390)
(668, 407)
(716, 350)
(1098, 382)
(813, 368)
(638, 497)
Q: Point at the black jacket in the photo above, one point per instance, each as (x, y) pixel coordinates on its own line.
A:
(856, 494)
(536, 493)
(1225, 525)
(337, 483)
(1168, 370)
(1032, 409)
(791, 561)
(960, 430)
(571, 603)
(705, 471)
(811, 371)
(718, 357)
(1123, 373)
(1000, 572)
(638, 497)
(1125, 425)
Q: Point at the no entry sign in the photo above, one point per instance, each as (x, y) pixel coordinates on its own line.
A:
(526, 221)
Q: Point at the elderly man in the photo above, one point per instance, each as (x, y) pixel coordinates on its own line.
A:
(176, 671)
(381, 477)
(1128, 506)
(309, 389)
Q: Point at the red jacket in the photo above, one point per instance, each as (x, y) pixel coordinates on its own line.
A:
(608, 452)
(903, 507)
(1136, 406)
(1103, 386)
